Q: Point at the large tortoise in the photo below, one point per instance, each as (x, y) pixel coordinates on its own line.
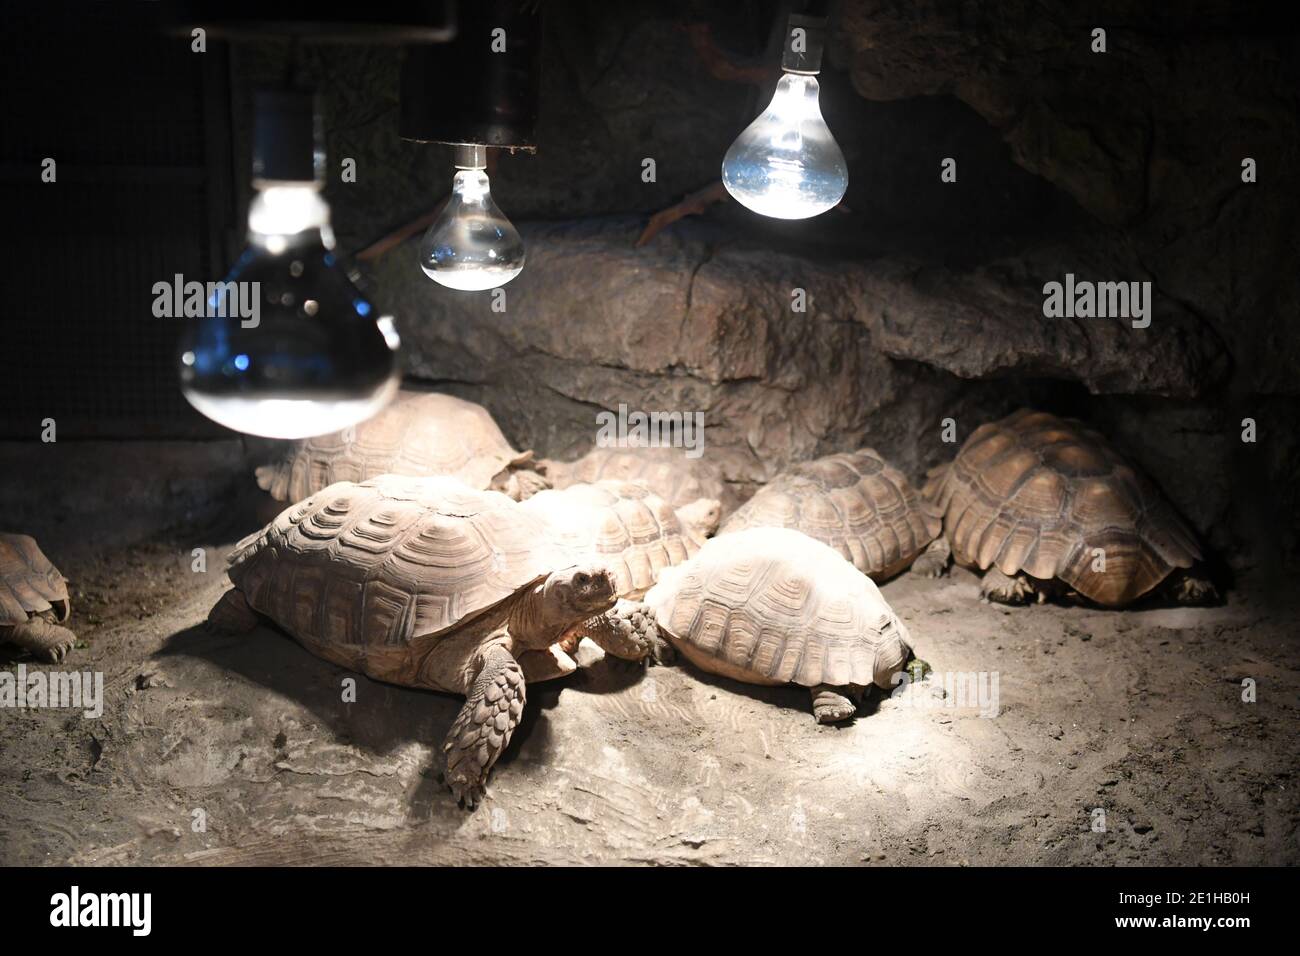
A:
(429, 583)
(1038, 501)
(665, 470)
(420, 434)
(773, 606)
(33, 600)
(858, 504)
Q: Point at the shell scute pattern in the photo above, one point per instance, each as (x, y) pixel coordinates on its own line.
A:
(665, 470)
(419, 434)
(630, 528)
(1041, 494)
(775, 606)
(856, 503)
(392, 559)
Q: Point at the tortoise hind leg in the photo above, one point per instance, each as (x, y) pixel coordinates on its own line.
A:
(44, 640)
(1003, 589)
(830, 705)
(1190, 587)
(482, 729)
(933, 561)
(232, 615)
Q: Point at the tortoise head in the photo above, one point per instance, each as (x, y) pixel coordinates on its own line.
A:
(564, 599)
(578, 592)
(701, 517)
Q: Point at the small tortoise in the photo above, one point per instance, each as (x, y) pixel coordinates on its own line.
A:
(665, 470)
(773, 606)
(428, 583)
(420, 434)
(33, 600)
(857, 503)
(1034, 499)
(634, 533)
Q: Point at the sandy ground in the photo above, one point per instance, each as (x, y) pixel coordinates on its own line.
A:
(241, 750)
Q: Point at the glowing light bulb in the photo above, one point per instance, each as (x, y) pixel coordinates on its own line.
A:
(786, 164)
(471, 246)
(288, 347)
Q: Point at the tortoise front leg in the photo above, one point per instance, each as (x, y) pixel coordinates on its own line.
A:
(482, 729)
(627, 631)
(44, 640)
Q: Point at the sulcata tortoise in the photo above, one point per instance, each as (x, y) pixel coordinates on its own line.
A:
(633, 532)
(773, 606)
(858, 504)
(664, 469)
(419, 434)
(33, 600)
(1034, 499)
(428, 583)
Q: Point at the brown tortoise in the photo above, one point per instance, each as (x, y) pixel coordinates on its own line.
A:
(33, 600)
(428, 583)
(1035, 499)
(858, 504)
(420, 434)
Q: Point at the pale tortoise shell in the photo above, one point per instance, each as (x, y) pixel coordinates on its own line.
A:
(392, 560)
(772, 605)
(420, 434)
(623, 524)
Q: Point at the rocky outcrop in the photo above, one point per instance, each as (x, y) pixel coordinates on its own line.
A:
(705, 322)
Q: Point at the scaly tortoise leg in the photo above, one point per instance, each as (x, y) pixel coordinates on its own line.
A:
(46, 641)
(627, 631)
(482, 729)
(1002, 589)
(232, 615)
(1189, 587)
(933, 561)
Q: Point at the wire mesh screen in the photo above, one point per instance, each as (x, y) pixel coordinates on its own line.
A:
(130, 118)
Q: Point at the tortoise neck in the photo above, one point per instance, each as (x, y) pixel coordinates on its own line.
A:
(531, 627)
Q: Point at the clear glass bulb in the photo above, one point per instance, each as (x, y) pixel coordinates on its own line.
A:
(786, 164)
(471, 246)
(318, 358)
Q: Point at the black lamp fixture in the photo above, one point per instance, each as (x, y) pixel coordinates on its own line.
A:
(478, 92)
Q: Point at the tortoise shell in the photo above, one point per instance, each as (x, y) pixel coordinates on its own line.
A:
(623, 524)
(1041, 494)
(773, 606)
(665, 470)
(391, 560)
(419, 434)
(857, 503)
(29, 583)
